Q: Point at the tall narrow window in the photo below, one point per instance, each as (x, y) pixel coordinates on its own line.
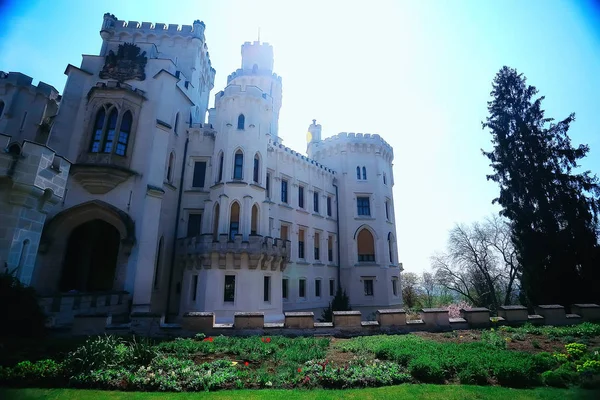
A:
(330, 248)
(284, 288)
(317, 288)
(241, 121)
(366, 246)
(301, 243)
(199, 174)
(229, 290)
(256, 173)
(267, 288)
(364, 173)
(23, 257)
(124, 131)
(284, 232)
(194, 224)
(1, 108)
(23, 120)
(284, 193)
(194, 288)
(301, 196)
(234, 221)
(317, 246)
(216, 222)
(358, 173)
(363, 206)
(170, 167)
(391, 247)
(254, 222)
(395, 287)
(238, 165)
(176, 129)
(302, 288)
(368, 284)
(220, 168)
(387, 210)
(157, 264)
(268, 185)
(384, 179)
(98, 126)
(316, 202)
(110, 132)
(329, 206)
(332, 287)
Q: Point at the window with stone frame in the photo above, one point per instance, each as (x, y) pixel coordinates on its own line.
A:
(229, 289)
(368, 286)
(366, 246)
(111, 134)
(284, 288)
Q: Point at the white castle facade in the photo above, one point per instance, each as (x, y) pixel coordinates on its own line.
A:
(123, 186)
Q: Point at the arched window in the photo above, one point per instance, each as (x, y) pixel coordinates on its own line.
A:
(170, 167)
(391, 247)
(124, 131)
(255, 68)
(364, 173)
(238, 165)
(256, 173)
(357, 172)
(1, 108)
(158, 263)
(110, 131)
(97, 133)
(234, 220)
(216, 222)
(366, 245)
(220, 177)
(254, 223)
(241, 121)
(176, 129)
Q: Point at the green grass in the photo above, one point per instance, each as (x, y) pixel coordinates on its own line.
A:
(448, 392)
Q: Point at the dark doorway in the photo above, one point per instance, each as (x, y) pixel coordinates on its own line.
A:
(91, 258)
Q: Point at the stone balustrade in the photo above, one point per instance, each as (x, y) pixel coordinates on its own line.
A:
(61, 309)
(345, 323)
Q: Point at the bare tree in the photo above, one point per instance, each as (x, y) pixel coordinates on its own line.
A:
(480, 263)
(410, 281)
(428, 285)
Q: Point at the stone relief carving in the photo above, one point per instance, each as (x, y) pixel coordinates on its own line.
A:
(127, 64)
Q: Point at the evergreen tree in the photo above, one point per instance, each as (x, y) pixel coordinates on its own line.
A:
(341, 302)
(553, 210)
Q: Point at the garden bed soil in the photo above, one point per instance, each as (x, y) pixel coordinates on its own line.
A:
(544, 344)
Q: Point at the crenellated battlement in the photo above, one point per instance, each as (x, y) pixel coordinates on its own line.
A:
(359, 141)
(249, 91)
(20, 80)
(113, 25)
(248, 72)
(300, 156)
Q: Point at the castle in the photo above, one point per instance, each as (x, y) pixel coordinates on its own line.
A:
(127, 194)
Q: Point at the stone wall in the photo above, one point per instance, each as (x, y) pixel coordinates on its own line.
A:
(345, 323)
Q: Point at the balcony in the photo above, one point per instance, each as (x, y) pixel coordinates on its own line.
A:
(258, 252)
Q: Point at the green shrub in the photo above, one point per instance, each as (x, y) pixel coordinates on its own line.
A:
(535, 344)
(493, 339)
(103, 352)
(425, 369)
(576, 350)
(44, 373)
(355, 375)
(340, 302)
(560, 378)
(22, 316)
(544, 362)
(473, 375)
(518, 374)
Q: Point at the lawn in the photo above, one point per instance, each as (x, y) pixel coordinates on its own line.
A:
(416, 392)
(523, 357)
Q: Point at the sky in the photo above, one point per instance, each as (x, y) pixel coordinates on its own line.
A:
(418, 73)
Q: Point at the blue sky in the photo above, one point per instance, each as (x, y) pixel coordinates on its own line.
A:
(416, 72)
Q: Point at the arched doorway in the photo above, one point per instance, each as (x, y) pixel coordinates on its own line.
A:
(90, 257)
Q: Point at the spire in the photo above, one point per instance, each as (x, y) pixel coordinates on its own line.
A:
(259, 34)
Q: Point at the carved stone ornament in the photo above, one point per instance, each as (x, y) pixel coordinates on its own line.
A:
(127, 64)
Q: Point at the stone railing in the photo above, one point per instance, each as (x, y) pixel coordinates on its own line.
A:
(61, 309)
(345, 323)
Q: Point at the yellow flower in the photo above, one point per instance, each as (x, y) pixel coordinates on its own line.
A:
(461, 337)
(234, 363)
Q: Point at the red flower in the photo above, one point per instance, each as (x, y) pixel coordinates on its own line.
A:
(210, 339)
(299, 369)
(246, 363)
(268, 340)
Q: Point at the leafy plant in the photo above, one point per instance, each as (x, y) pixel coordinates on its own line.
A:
(426, 370)
(493, 339)
(340, 302)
